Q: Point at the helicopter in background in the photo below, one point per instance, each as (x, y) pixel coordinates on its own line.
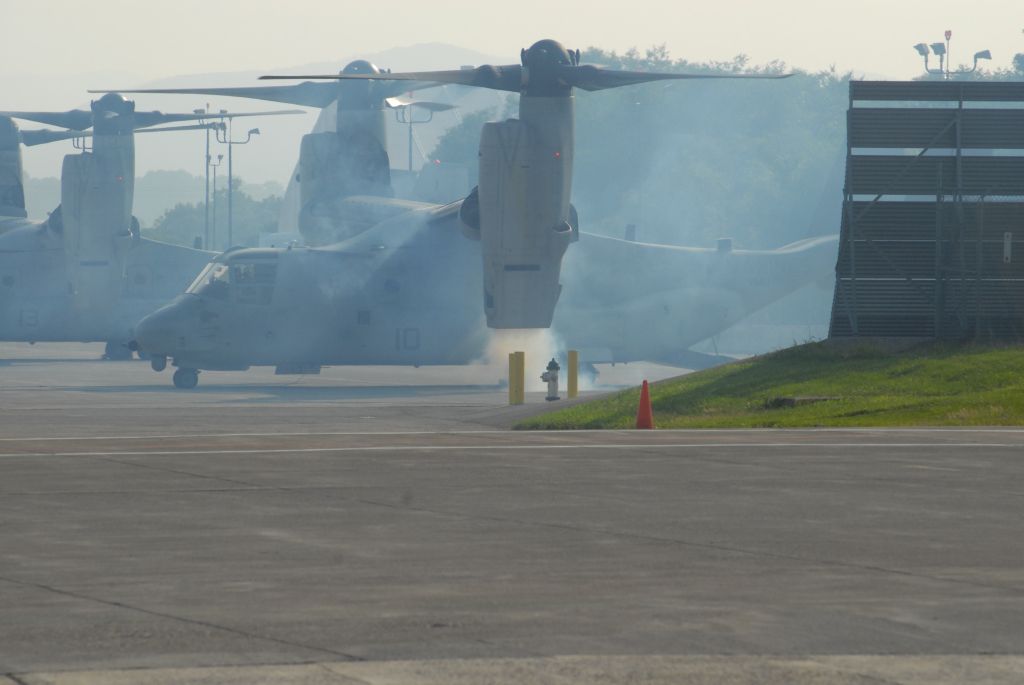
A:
(349, 160)
(86, 274)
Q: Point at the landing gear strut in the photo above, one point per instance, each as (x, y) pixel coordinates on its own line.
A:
(186, 379)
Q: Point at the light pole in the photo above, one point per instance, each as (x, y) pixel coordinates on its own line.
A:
(206, 199)
(226, 140)
(213, 236)
(405, 114)
(941, 50)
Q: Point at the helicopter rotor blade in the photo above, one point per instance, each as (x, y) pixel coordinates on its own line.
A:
(307, 94)
(77, 119)
(508, 77)
(589, 77)
(396, 102)
(44, 136)
(190, 127)
(147, 119)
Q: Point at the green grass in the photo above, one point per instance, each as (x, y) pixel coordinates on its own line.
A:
(936, 384)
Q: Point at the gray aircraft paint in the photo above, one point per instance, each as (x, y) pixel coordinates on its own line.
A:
(405, 292)
(521, 210)
(346, 158)
(85, 274)
(522, 221)
(12, 184)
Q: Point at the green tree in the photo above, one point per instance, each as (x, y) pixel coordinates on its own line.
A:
(184, 222)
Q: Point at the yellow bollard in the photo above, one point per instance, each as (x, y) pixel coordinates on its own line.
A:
(574, 373)
(516, 377)
(521, 377)
(511, 378)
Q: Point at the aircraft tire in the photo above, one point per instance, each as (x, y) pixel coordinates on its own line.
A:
(186, 379)
(115, 351)
(158, 364)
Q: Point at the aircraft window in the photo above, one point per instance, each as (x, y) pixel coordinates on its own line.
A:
(212, 282)
(253, 283)
(200, 279)
(253, 273)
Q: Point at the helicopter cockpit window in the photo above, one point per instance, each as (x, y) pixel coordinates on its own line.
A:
(212, 282)
(253, 283)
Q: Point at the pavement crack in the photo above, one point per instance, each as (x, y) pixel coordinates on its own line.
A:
(180, 472)
(344, 676)
(701, 545)
(181, 619)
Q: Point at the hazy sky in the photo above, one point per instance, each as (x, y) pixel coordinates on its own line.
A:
(153, 39)
(53, 50)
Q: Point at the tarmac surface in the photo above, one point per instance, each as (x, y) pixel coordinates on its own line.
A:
(382, 526)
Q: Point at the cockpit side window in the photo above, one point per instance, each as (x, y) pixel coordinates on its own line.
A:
(253, 283)
(244, 282)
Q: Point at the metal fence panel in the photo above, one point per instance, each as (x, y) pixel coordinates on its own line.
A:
(939, 251)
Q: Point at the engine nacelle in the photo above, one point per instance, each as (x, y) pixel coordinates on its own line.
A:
(524, 223)
(96, 200)
(12, 191)
(333, 166)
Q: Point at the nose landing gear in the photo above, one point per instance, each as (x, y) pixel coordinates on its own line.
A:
(186, 379)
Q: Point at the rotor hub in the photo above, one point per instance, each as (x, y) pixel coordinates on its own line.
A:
(547, 53)
(114, 103)
(360, 66)
(542, 63)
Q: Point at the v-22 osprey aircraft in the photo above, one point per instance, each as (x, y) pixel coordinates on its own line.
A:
(86, 274)
(409, 289)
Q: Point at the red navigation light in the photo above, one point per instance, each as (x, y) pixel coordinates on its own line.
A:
(558, 155)
(949, 34)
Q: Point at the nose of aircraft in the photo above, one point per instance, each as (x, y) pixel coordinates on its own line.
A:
(159, 332)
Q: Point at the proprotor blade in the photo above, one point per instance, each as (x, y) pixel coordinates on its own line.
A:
(191, 127)
(508, 77)
(422, 104)
(590, 77)
(74, 119)
(147, 119)
(306, 94)
(41, 137)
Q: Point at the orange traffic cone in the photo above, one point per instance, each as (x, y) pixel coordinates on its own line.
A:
(644, 416)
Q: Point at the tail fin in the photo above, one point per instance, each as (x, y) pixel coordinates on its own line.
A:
(12, 188)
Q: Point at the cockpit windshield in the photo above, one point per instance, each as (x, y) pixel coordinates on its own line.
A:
(212, 281)
(244, 282)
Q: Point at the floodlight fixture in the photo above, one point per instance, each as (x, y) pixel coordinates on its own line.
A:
(939, 49)
(922, 49)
